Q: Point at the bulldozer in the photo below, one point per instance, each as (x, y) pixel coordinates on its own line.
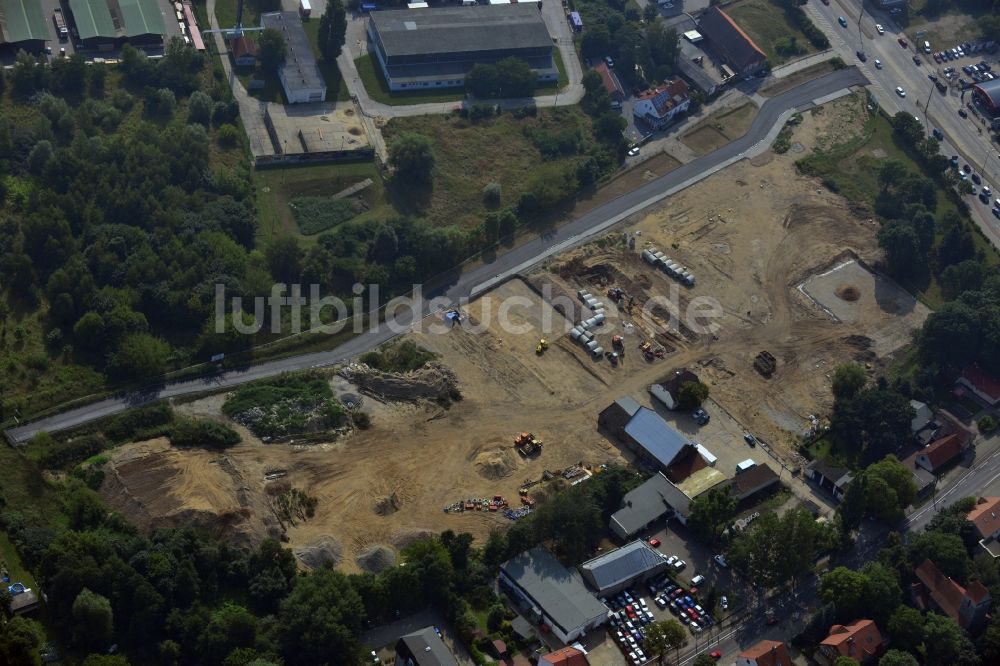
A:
(541, 346)
(527, 444)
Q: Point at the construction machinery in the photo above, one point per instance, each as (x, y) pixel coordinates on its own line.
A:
(618, 343)
(541, 346)
(527, 444)
(612, 357)
(765, 363)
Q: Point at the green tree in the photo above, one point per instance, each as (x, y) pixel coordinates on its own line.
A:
(691, 394)
(140, 355)
(890, 489)
(272, 49)
(320, 620)
(483, 80)
(905, 628)
(989, 643)
(413, 158)
(199, 108)
(848, 379)
(93, 621)
(947, 551)
(846, 661)
(897, 658)
(332, 30)
(284, 259)
(20, 640)
(516, 78)
(105, 660)
(902, 248)
(703, 658)
(663, 636)
(846, 590)
(942, 640)
(876, 421)
(777, 549)
(950, 335)
(711, 514)
(891, 173)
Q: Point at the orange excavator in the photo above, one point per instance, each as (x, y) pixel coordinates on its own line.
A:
(527, 444)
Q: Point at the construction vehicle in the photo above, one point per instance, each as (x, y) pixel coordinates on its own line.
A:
(527, 444)
(765, 363)
(618, 343)
(541, 346)
(613, 357)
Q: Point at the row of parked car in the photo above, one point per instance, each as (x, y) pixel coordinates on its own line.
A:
(963, 50)
(628, 619)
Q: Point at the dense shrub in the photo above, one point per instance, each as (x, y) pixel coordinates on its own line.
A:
(316, 214)
(208, 434)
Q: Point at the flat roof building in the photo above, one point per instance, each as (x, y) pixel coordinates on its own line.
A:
(299, 74)
(22, 24)
(551, 594)
(423, 648)
(437, 47)
(617, 569)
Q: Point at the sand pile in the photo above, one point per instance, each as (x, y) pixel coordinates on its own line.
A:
(388, 504)
(404, 538)
(496, 464)
(376, 558)
(848, 292)
(323, 551)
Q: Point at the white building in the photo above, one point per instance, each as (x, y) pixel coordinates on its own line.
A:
(299, 74)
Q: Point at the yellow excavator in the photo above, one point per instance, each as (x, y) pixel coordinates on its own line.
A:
(541, 346)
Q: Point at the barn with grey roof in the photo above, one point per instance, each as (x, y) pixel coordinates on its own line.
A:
(436, 48)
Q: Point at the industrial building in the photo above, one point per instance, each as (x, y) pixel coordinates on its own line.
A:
(299, 74)
(22, 25)
(437, 47)
(616, 570)
(107, 24)
(642, 506)
(552, 595)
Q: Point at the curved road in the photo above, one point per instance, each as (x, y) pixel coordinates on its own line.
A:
(478, 280)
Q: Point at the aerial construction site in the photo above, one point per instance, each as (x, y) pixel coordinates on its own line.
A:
(789, 266)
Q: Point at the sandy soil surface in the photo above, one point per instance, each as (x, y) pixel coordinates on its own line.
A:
(751, 234)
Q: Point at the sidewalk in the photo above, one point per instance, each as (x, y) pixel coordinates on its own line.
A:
(803, 63)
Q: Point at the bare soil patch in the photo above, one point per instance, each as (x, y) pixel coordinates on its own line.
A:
(719, 129)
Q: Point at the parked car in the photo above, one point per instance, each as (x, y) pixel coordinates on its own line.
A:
(936, 133)
(963, 113)
(900, 91)
(902, 42)
(679, 565)
(861, 56)
(917, 60)
(724, 603)
(749, 439)
(609, 61)
(715, 654)
(721, 561)
(698, 580)
(976, 179)
(842, 21)
(700, 416)
(654, 542)
(878, 64)
(633, 151)
(879, 29)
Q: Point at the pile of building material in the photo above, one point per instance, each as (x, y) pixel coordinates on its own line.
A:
(582, 333)
(657, 259)
(496, 503)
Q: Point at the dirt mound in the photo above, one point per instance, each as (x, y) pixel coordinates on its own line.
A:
(155, 486)
(432, 382)
(388, 504)
(496, 464)
(848, 292)
(404, 538)
(376, 558)
(323, 551)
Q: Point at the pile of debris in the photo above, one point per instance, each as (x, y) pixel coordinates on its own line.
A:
(765, 363)
(431, 382)
(517, 514)
(496, 503)
(657, 259)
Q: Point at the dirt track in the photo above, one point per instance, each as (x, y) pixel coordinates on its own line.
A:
(751, 234)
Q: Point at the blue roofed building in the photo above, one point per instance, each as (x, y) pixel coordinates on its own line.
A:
(615, 570)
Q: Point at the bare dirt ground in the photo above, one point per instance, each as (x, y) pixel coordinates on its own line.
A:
(719, 129)
(751, 234)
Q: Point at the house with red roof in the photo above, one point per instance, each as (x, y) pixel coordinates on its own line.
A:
(979, 383)
(985, 519)
(244, 51)
(936, 591)
(567, 656)
(659, 106)
(730, 43)
(765, 653)
(941, 451)
(611, 84)
(859, 640)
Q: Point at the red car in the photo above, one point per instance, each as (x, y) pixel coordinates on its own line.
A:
(715, 654)
(902, 42)
(655, 543)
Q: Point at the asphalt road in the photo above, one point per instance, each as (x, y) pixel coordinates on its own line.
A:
(965, 137)
(473, 282)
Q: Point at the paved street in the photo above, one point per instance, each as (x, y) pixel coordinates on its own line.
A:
(467, 284)
(964, 137)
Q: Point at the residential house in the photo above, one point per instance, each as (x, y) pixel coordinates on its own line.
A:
(423, 648)
(244, 51)
(552, 595)
(617, 569)
(667, 391)
(659, 106)
(730, 43)
(923, 416)
(980, 384)
(642, 506)
(936, 591)
(985, 518)
(941, 452)
(611, 84)
(567, 656)
(829, 477)
(765, 653)
(859, 640)
(747, 483)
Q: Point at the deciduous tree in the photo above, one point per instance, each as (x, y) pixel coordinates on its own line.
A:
(413, 158)
(332, 30)
(272, 49)
(663, 636)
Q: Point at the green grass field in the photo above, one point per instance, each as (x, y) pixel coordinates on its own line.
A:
(276, 188)
(764, 22)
